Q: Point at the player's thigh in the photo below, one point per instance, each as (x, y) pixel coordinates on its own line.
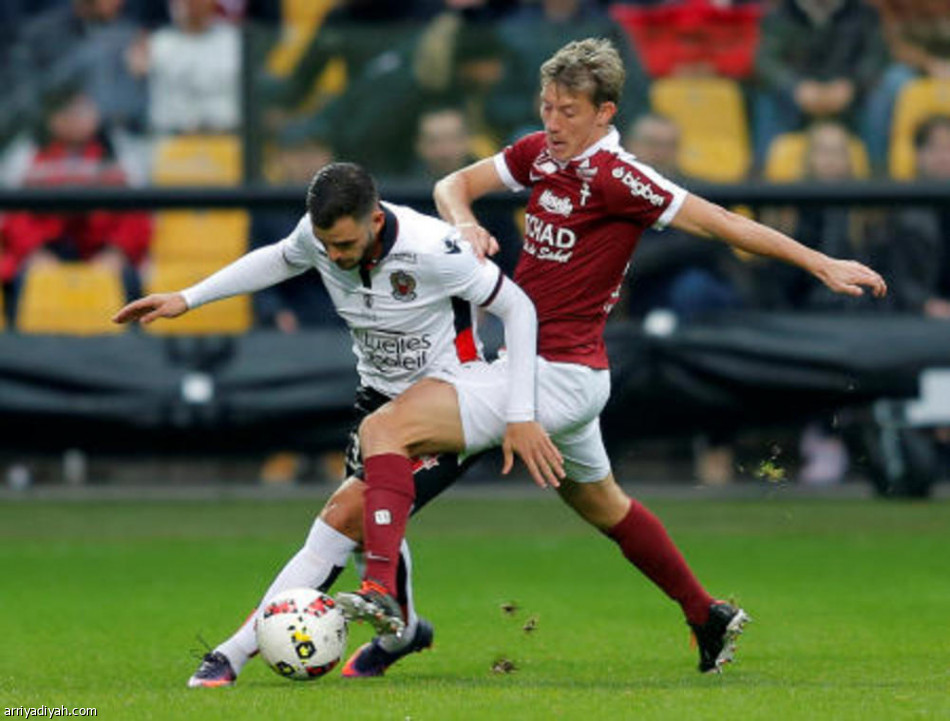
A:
(570, 396)
(423, 419)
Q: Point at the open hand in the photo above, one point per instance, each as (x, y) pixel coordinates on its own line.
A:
(157, 305)
(536, 449)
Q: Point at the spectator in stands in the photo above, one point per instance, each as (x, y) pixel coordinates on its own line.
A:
(902, 243)
(301, 302)
(674, 270)
(817, 59)
(73, 149)
(932, 146)
(194, 71)
(443, 143)
(678, 272)
(868, 235)
(450, 60)
(360, 33)
(86, 42)
(918, 37)
(534, 33)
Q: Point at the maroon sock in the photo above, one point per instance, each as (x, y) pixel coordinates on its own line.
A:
(390, 491)
(646, 544)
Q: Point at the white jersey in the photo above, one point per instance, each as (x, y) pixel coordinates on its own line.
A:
(410, 312)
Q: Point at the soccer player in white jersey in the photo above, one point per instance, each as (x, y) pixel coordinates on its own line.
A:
(589, 202)
(405, 286)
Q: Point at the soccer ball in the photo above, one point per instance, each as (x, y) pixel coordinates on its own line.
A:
(301, 634)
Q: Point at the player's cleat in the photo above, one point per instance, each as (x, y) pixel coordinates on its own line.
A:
(717, 637)
(371, 659)
(215, 670)
(372, 603)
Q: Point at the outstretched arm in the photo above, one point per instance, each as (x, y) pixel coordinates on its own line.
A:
(258, 269)
(708, 220)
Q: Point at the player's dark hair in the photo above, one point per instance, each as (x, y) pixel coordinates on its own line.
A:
(340, 190)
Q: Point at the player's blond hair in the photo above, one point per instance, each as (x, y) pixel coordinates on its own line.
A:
(591, 66)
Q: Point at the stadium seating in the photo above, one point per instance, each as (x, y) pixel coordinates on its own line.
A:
(189, 244)
(711, 115)
(786, 158)
(230, 316)
(70, 298)
(205, 237)
(918, 100)
(197, 160)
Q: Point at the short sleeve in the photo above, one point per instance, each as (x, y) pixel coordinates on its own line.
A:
(513, 164)
(637, 192)
(299, 248)
(463, 275)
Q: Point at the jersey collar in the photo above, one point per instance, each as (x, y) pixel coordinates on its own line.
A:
(610, 141)
(387, 237)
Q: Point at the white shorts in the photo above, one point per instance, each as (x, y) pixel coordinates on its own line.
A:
(570, 398)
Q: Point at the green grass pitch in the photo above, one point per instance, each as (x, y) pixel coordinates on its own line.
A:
(850, 600)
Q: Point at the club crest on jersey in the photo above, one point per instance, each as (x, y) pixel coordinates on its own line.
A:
(556, 204)
(404, 285)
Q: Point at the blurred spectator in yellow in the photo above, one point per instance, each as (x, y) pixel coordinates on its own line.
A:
(361, 33)
(86, 42)
(817, 59)
(451, 59)
(194, 71)
(72, 150)
(534, 33)
(918, 36)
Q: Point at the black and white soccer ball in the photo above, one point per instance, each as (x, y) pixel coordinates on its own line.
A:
(301, 634)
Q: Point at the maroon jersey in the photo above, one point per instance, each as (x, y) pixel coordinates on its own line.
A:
(582, 224)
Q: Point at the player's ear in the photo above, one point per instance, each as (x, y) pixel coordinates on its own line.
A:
(606, 112)
(377, 219)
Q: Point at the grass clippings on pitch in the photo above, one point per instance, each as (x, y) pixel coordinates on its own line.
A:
(536, 616)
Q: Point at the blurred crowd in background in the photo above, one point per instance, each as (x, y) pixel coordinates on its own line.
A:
(222, 92)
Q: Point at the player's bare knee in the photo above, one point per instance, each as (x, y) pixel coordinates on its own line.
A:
(603, 504)
(343, 511)
(380, 432)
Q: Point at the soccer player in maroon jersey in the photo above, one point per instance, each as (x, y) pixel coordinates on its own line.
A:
(589, 202)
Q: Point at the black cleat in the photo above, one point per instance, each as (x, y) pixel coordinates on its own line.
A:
(371, 659)
(215, 670)
(372, 603)
(717, 637)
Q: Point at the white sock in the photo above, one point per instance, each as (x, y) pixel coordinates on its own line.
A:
(324, 551)
(390, 641)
